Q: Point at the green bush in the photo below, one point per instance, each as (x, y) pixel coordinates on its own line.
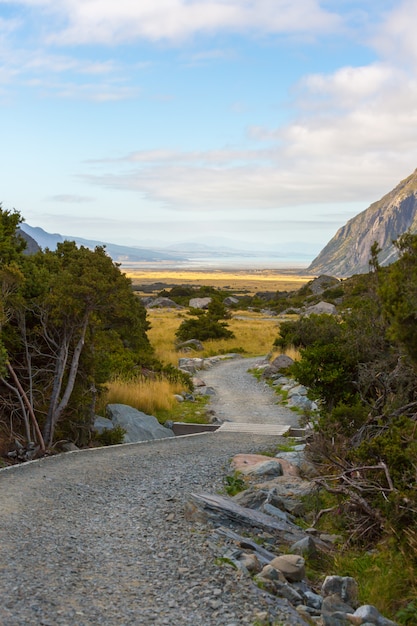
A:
(111, 436)
(206, 325)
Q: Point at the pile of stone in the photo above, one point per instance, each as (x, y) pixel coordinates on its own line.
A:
(266, 511)
(296, 394)
(191, 365)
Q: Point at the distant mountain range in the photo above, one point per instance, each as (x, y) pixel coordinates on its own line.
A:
(120, 254)
(348, 252)
(223, 252)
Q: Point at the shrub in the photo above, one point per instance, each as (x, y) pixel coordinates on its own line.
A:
(111, 436)
(206, 325)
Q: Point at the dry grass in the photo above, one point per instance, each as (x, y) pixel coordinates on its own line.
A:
(144, 394)
(254, 335)
(242, 281)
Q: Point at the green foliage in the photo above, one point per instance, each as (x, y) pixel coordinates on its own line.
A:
(385, 579)
(190, 412)
(206, 325)
(327, 371)
(408, 614)
(234, 484)
(398, 292)
(72, 322)
(344, 419)
(111, 436)
(309, 330)
(11, 243)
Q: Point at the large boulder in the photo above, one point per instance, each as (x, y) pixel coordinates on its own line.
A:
(138, 426)
(162, 303)
(199, 303)
(323, 282)
(230, 301)
(281, 362)
(320, 308)
(190, 344)
(102, 423)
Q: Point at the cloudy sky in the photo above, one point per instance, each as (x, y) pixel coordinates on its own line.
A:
(270, 121)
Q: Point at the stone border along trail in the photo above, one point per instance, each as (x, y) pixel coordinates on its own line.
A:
(241, 399)
(100, 537)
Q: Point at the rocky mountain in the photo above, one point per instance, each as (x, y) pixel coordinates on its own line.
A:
(31, 245)
(120, 254)
(348, 252)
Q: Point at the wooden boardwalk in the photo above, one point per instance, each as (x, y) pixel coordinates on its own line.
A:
(256, 429)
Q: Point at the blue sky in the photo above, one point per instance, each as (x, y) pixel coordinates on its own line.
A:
(262, 121)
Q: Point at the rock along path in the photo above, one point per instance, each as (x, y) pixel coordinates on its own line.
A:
(101, 537)
(241, 398)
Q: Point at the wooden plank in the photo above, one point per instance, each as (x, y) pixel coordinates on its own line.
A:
(257, 429)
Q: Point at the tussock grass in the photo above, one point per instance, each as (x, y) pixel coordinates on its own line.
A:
(147, 395)
(385, 577)
(290, 351)
(236, 281)
(254, 335)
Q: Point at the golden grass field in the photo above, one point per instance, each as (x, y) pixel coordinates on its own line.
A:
(144, 394)
(237, 280)
(254, 335)
(254, 332)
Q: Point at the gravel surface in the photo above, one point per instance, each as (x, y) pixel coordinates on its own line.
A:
(240, 397)
(101, 537)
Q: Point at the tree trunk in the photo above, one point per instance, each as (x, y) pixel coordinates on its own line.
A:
(57, 407)
(29, 406)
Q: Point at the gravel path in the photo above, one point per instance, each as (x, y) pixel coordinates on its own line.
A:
(101, 537)
(241, 398)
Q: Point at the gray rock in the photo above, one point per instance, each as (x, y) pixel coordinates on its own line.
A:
(281, 362)
(301, 402)
(271, 467)
(344, 586)
(199, 303)
(69, 446)
(138, 425)
(268, 371)
(230, 301)
(284, 590)
(270, 509)
(206, 391)
(195, 344)
(323, 282)
(334, 608)
(291, 565)
(272, 573)
(250, 562)
(320, 309)
(304, 547)
(102, 423)
(314, 600)
(369, 613)
(162, 303)
(251, 498)
(298, 390)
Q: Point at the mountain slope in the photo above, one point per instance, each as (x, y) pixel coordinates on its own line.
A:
(118, 253)
(31, 245)
(348, 252)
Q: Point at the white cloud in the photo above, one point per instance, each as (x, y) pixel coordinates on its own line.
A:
(354, 138)
(396, 38)
(350, 85)
(108, 22)
(70, 198)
